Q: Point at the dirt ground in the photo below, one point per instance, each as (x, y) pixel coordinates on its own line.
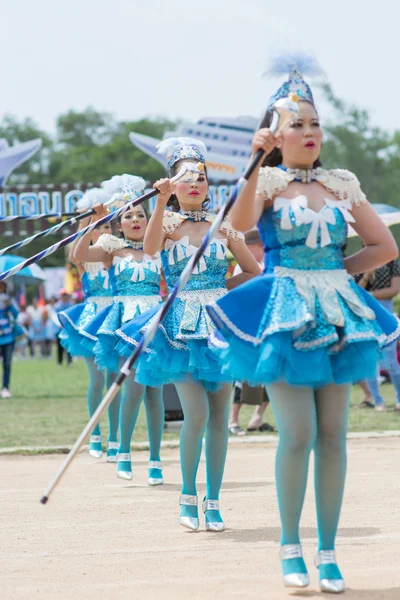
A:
(102, 538)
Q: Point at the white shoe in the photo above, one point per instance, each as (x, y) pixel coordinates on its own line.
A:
(381, 408)
(155, 464)
(5, 393)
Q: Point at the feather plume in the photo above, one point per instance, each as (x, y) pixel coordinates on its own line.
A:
(120, 183)
(283, 63)
(92, 197)
(168, 146)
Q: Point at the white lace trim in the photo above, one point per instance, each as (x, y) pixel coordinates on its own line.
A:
(203, 296)
(120, 334)
(132, 303)
(340, 182)
(173, 220)
(100, 301)
(110, 243)
(389, 339)
(322, 341)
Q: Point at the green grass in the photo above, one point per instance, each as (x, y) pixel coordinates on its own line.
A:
(48, 407)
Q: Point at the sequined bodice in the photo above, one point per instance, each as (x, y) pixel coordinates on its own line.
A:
(130, 277)
(209, 273)
(95, 280)
(297, 237)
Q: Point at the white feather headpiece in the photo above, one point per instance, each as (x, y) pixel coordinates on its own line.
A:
(180, 148)
(91, 198)
(123, 188)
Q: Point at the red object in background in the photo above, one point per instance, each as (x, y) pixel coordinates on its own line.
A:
(42, 299)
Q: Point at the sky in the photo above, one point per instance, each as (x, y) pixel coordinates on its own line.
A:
(186, 59)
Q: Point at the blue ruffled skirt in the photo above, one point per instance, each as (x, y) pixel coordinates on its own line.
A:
(302, 327)
(101, 332)
(74, 320)
(180, 347)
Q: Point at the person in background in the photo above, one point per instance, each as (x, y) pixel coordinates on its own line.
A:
(37, 328)
(384, 284)
(242, 392)
(63, 303)
(8, 313)
(52, 324)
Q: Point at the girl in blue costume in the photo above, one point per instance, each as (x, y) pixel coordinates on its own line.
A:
(98, 295)
(180, 351)
(135, 283)
(304, 328)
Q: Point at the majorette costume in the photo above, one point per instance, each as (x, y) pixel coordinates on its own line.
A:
(304, 320)
(135, 286)
(302, 328)
(181, 344)
(96, 288)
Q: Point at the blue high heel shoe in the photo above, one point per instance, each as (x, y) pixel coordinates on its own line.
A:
(112, 451)
(95, 447)
(293, 566)
(188, 521)
(211, 523)
(124, 466)
(155, 473)
(330, 577)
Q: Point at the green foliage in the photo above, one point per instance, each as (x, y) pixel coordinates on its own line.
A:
(353, 143)
(88, 147)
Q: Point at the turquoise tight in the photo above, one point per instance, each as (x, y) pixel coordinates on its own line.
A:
(95, 395)
(130, 405)
(203, 412)
(308, 420)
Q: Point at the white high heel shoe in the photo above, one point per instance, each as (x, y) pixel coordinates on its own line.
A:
(121, 458)
(112, 456)
(95, 439)
(189, 522)
(333, 586)
(216, 526)
(293, 580)
(155, 464)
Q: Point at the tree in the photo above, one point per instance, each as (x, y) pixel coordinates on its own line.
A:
(353, 143)
(97, 148)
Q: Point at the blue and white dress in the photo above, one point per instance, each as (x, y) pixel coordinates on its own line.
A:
(181, 346)
(304, 320)
(98, 294)
(135, 288)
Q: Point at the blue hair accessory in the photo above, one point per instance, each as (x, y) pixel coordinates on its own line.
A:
(296, 65)
(182, 148)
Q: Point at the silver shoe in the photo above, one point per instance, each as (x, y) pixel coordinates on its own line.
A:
(293, 580)
(333, 586)
(127, 475)
(189, 522)
(95, 439)
(216, 526)
(112, 446)
(155, 464)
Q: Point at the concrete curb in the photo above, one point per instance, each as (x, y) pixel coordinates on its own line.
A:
(247, 439)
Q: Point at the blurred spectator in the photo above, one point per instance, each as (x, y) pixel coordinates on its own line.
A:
(37, 328)
(63, 303)
(384, 285)
(24, 321)
(8, 332)
(52, 324)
